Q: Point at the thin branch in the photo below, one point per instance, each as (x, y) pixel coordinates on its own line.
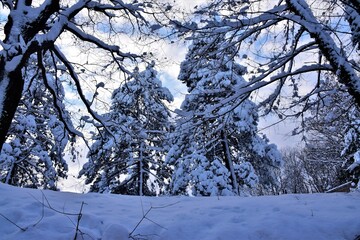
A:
(78, 221)
(99, 43)
(79, 89)
(9, 220)
(145, 217)
(56, 100)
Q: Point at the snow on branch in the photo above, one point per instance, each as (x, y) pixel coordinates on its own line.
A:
(303, 69)
(133, 9)
(271, 15)
(99, 43)
(328, 47)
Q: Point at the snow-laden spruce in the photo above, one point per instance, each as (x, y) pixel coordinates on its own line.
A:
(127, 157)
(216, 149)
(33, 155)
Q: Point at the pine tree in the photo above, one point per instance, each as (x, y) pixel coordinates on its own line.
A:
(33, 155)
(216, 148)
(128, 157)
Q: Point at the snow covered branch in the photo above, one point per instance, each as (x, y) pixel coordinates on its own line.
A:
(336, 57)
(32, 28)
(98, 42)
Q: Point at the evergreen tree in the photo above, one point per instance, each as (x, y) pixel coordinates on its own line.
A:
(127, 158)
(33, 155)
(216, 149)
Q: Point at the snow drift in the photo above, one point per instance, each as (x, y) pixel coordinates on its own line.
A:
(106, 216)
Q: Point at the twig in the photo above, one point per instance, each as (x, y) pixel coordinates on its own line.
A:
(22, 229)
(67, 214)
(144, 237)
(33, 225)
(78, 221)
(42, 211)
(145, 217)
(48, 205)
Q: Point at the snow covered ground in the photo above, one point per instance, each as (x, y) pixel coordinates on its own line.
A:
(316, 216)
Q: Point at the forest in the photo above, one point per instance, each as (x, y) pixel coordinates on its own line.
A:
(89, 75)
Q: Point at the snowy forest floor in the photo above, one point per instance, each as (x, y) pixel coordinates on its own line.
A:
(34, 214)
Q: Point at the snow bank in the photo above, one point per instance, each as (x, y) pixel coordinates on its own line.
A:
(317, 216)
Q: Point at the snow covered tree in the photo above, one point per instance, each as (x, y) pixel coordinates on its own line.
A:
(216, 149)
(323, 165)
(98, 27)
(331, 136)
(288, 46)
(294, 178)
(313, 168)
(33, 155)
(129, 159)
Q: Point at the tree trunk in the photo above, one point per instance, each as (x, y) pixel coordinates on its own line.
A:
(11, 87)
(228, 161)
(11, 82)
(141, 170)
